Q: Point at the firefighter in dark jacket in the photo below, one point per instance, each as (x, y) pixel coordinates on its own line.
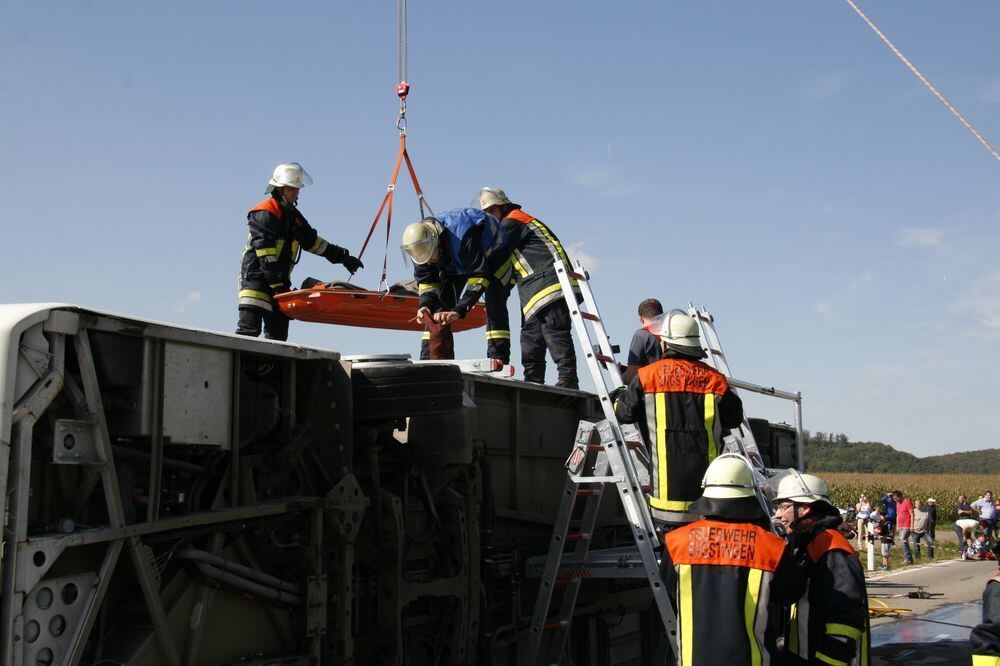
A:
(682, 406)
(278, 233)
(723, 573)
(545, 322)
(829, 623)
(985, 637)
(452, 254)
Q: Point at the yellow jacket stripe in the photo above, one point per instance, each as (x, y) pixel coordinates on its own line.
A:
(498, 335)
(686, 614)
(750, 615)
(830, 660)
(835, 629)
(477, 282)
(985, 660)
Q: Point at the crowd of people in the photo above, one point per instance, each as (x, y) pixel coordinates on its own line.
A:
(914, 522)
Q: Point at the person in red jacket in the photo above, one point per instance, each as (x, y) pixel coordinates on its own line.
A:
(278, 234)
(829, 623)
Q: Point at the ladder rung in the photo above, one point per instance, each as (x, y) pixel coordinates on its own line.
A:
(588, 492)
(634, 445)
(604, 358)
(558, 624)
(595, 447)
(589, 317)
(563, 581)
(577, 276)
(577, 536)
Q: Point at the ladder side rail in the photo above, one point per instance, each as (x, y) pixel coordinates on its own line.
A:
(645, 537)
(546, 583)
(717, 359)
(608, 378)
(583, 335)
(580, 553)
(603, 339)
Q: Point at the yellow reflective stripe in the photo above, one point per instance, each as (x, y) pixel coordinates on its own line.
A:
(318, 246)
(267, 251)
(552, 239)
(686, 615)
(503, 270)
(669, 505)
(750, 613)
(834, 629)
(710, 425)
(985, 660)
(428, 286)
(519, 267)
(830, 660)
(539, 296)
(661, 500)
(793, 629)
(279, 245)
(426, 335)
(497, 335)
(253, 293)
(477, 282)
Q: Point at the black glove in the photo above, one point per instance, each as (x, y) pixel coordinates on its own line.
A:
(352, 263)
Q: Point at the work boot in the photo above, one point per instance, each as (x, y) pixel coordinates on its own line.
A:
(568, 383)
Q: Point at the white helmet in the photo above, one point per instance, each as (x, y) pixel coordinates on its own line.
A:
(729, 476)
(491, 196)
(289, 175)
(802, 488)
(679, 330)
(420, 239)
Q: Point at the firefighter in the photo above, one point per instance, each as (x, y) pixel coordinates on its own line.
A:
(723, 573)
(682, 406)
(829, 623)
(985, 637)
(278, 233)
(451, 253)
(545, 320)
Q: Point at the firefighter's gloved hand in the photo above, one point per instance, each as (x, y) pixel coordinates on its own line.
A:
(280, 288)
(352, 263)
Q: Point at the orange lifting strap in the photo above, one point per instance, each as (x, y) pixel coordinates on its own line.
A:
(387, 200)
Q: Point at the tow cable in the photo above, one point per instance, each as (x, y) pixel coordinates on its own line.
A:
(402, 90)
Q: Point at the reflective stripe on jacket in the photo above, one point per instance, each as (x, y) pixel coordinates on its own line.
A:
(277, 233)
(829, 624)
(534, 251)
(682, 406)
(721, 576)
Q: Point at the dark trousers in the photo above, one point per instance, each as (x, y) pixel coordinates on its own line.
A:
(551, 328)
(497, 318)
(251, 318)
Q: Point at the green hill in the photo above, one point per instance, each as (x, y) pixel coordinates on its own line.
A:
(829, 452)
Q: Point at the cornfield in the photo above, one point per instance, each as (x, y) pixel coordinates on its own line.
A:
(845, 487)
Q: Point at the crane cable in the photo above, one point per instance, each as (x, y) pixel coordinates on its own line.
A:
(402, 90)
(927, 83)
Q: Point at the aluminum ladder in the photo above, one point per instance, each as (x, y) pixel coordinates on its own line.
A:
(604, 453)
(744, 440)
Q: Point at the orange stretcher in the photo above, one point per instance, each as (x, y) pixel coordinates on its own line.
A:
(360, 307)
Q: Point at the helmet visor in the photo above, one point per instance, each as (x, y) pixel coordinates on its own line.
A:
(419, 251)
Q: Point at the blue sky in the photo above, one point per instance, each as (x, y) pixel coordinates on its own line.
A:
(772, 161)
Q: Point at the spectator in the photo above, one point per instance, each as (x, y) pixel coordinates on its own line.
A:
(921, 520)
(987, 510)
(965, 518)
(979, 549)
(882, 533)
(904, 523)
(890, 508)
(864, 512)
(932, 511)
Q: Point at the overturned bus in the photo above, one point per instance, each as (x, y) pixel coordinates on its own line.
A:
(177, 496)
